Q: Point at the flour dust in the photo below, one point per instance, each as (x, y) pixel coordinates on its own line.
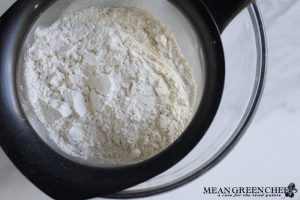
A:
(109, 84)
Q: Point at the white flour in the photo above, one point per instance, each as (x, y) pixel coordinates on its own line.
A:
(109, 84)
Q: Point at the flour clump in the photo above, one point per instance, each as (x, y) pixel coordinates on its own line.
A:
(109, 84)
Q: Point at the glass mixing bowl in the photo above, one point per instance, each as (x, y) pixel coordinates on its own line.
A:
(245, 54)
(245, 57)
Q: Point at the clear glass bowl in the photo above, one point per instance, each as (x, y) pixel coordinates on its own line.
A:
(245, 54)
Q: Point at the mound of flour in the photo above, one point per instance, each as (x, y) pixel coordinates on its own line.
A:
(109, 84)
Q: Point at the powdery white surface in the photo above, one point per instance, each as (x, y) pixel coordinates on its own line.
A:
(109, 84)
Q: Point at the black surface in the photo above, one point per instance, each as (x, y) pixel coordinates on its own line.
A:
(223, 11)
(61, 178)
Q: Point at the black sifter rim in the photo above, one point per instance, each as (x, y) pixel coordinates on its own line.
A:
(62, 178)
